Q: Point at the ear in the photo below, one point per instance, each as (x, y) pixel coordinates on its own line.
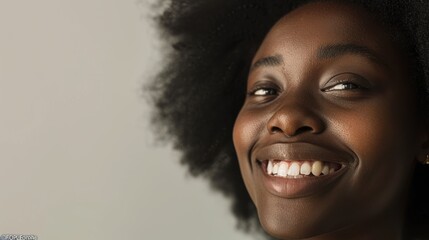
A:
(423, 144)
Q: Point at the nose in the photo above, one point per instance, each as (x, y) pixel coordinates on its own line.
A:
(294, 117)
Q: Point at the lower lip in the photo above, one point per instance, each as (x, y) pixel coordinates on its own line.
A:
(298, 187)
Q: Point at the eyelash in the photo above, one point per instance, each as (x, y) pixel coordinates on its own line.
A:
(344, 84)
(270, 91)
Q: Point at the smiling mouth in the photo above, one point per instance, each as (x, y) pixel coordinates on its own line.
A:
(298, 169)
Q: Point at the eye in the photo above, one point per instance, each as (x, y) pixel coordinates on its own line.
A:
(347, 82)
(264, 91)
(344, 86)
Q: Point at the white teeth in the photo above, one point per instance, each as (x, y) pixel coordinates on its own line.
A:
(283, 168)
(293, 169)
(275, 168)
(316, 169)
(270, 167)
(325, 170)
(305, 169)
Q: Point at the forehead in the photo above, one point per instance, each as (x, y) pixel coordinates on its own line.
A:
(314, 25)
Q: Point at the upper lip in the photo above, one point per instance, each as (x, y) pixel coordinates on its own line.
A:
(300, 152)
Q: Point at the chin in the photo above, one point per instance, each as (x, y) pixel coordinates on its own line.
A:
(289, 231)
(296, 219)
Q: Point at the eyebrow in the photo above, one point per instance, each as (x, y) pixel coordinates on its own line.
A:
(326, 52)
(337, 50)
(269, 61)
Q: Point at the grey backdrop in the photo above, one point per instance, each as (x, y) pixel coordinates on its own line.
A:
(77, 156)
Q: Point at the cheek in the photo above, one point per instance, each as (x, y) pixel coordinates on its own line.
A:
(383, 141)
(247, 129)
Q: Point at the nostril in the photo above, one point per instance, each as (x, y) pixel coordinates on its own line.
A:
(295, 120)
(298, 131)
(303, 129)
(275, 130)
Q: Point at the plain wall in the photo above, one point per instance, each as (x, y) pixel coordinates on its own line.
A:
(77, 155)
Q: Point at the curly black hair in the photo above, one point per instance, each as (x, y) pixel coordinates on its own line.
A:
(201, 87)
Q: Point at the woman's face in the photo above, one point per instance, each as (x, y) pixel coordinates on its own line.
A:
(327, 136)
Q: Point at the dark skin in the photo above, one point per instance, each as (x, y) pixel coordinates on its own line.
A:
(329, 84)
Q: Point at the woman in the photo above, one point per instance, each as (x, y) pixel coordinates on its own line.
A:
(323, 105)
